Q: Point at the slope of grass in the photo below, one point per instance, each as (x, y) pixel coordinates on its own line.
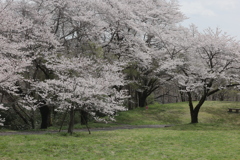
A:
(213, 112)
(215, 137)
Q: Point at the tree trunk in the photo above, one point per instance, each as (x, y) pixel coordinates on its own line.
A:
(32, 123)
(45, 114)
(71, 122)
(194, 111)
(130, 101)
(32, 119)
(194, 116)
(142, 97)
(50, 123)
(182, 96)
(84, 117)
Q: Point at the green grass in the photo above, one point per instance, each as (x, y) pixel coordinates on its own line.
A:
(163, 143)
(156, 114)
(213, 112)
(215, 137)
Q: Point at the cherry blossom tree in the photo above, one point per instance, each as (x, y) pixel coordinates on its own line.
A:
(74, 54)
(128, 32)
(83, 84)
(77, 35)
(12, 57)
(206, 63)
(23, 37)
(137, 36)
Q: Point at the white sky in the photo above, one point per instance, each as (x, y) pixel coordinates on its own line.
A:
(224, 14)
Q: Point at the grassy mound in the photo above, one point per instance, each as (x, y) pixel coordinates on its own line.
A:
(212, 112)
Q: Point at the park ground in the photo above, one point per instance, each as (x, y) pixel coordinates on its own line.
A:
(215, 137)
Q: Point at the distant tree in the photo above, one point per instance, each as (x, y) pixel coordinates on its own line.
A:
(136, 36)
(207, 63)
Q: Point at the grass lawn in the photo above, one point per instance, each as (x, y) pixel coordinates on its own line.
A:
(213, 112)
(215, 137)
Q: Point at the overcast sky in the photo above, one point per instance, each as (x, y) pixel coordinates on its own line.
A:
(224, 14)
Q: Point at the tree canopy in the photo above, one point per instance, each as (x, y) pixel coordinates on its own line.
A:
(103, 56)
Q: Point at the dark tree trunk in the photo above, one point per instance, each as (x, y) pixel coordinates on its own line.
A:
(84, 117)
(194, 111)
(132, 102)
(142, 99)
(50, 123)
(71, 122)
(142, 102)
(194, 116)
(45, 114)
(221, 97)
(65, 115)
(182, 96)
